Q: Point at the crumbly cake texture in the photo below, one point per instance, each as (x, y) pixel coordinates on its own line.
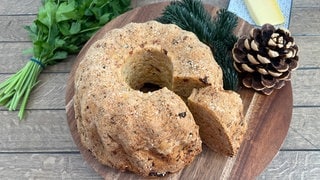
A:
(151, 133)
(220, 117)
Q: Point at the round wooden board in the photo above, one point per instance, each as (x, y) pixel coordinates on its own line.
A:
(268, 117)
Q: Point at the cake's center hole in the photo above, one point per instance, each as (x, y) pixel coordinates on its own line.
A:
(149, 87)
(148, 70)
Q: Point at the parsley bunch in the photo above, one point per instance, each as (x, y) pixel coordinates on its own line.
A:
(61, 28)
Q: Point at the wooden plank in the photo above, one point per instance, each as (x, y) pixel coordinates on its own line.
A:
(43, 125)
(45, 166)
(306, 87)
(304, 129)
(306, 3)
(309, 51)
(13, 52)
(294, 165)
(42, 131)
(12, 28)
(305, 21)
(14, 7)
(49, 93)
(32, 134)
(286, 165)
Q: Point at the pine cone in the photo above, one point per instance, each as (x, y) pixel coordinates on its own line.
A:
(266, 58)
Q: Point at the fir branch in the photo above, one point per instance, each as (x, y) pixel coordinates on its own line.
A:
(217, 33)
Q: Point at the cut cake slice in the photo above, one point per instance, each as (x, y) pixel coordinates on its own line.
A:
(219, 114)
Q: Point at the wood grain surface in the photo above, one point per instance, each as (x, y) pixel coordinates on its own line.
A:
(268, 117)
(41, 146)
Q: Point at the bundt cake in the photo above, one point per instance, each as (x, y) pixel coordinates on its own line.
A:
(131, 94)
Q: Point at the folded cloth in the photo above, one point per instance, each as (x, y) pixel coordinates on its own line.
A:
(239, 8)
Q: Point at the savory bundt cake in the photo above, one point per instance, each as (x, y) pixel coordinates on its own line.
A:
(123, 122)
(131, 94)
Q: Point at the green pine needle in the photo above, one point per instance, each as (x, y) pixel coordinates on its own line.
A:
(217, 33)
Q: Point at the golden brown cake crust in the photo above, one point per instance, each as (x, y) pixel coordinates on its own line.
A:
(149, 133)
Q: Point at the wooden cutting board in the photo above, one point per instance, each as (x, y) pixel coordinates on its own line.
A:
(268, 117)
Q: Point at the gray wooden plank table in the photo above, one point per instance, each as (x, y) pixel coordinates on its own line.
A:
(41, 147)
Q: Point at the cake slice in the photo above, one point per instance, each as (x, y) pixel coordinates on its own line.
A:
(219, 115)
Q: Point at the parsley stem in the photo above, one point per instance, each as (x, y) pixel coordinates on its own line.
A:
(16, 89)
(89, 29)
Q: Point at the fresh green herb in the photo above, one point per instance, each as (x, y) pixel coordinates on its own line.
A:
(61, 28)
(217, 33)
